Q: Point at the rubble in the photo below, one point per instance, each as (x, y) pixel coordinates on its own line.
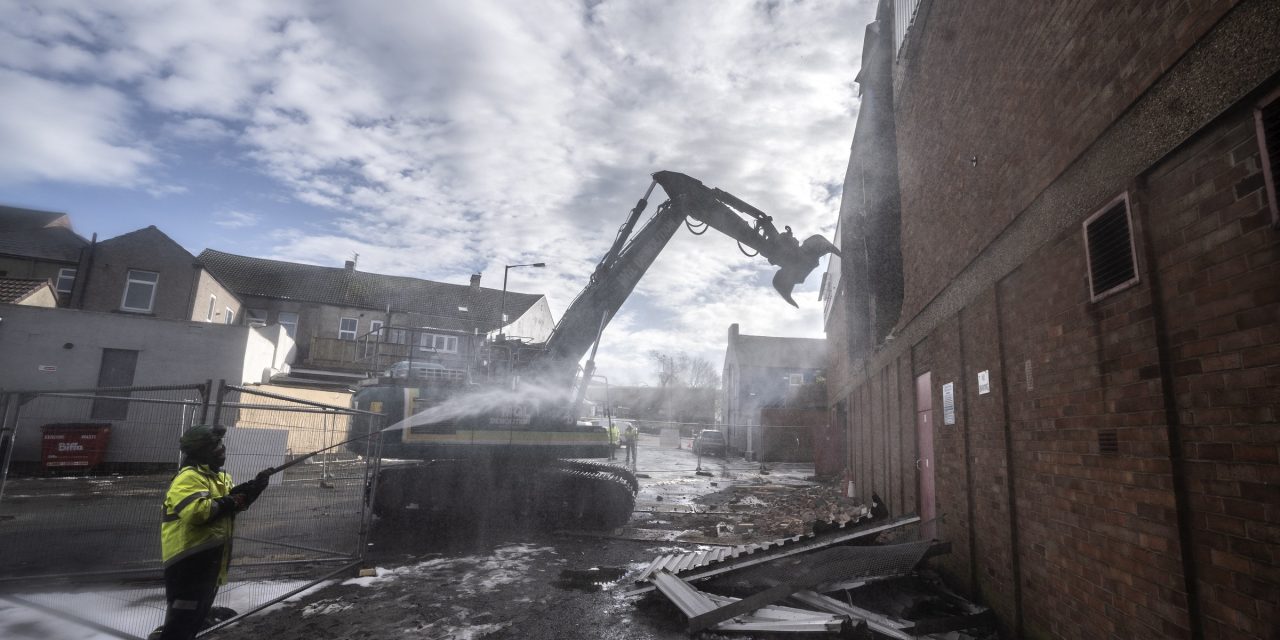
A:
(819, 583)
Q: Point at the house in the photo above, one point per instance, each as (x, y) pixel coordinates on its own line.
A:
(760, 372)
(348, 322)
(146, 273)
(27, 291)
(1060, 347)
(41, 245)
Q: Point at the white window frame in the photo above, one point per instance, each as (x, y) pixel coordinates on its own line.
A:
(69, 275)
(259, 320)
(348, 334)
(375, 328)
(231, 316)
(213, 300)
(440, 343)
(290, 326)
(795, 379)
(130, 281)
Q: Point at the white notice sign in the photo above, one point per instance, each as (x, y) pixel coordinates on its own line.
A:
(984, 382)
(949, 403)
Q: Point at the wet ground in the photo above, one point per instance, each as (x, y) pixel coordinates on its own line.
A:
(493, 582)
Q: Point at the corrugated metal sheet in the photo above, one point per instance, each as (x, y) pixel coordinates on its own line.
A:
(904, 14)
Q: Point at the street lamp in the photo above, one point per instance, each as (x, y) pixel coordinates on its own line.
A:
(502, 316)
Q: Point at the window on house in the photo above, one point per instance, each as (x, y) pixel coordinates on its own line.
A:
(1267, 117)
(348, 328)
(288, 320)
(209, 314)
(140, 291)
(66, 279)
(397, 336)
(116, 370)
(437, 342)
(375, 328)
(1109, 249)
(231, 316)
(256, 317)
(796, 379)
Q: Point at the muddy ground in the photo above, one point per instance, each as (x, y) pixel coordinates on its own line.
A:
(494, 582)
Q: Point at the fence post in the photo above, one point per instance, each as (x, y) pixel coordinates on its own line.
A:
(205, 392)
(217, 406)
(8, 431)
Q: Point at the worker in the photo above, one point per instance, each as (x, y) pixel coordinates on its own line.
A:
(629, 438)
(613, 440)
(195, 531)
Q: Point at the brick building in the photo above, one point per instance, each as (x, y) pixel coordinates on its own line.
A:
(1056, 331)
(40, 245)
(762, 372)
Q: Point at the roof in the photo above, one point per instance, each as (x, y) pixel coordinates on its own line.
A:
(58, 244)
(17, 218)
(770, 351)
(342, 287)
(15, 290)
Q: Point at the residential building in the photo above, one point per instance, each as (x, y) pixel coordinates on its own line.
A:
(348, 322)
(41, 245)
(28, 291)
(1061, 346)
(146, 273)
(760, 372)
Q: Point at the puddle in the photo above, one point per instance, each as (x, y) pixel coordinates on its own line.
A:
(593, 579)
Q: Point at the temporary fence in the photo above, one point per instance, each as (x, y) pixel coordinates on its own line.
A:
(79, 528)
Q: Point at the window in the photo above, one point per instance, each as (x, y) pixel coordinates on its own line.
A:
(208, 316)
(140, 291)
(289, 320)
(437, 342)
(348, 328)
(231, 316)
(375, 328)
(116, 370)
(1267, 118)
(796, 379)
(397, 336)
(1109, 249)
(256, 317)
(66, 279)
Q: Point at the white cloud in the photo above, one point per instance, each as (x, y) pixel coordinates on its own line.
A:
(236, 219)
(445, 138)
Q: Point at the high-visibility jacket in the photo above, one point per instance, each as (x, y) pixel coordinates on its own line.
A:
(630, 436)
(613, 433)
(192, 522)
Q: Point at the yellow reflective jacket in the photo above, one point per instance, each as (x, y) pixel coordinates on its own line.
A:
(191, 522)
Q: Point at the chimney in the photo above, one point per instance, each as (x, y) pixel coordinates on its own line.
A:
(733, 332)
(475, 282)
(350, 265)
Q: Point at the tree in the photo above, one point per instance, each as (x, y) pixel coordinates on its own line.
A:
(682, 370)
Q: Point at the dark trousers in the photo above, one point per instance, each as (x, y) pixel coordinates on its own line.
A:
(631, 451)
(189, 588)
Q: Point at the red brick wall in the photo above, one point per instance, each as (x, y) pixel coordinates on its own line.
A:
(1218, 264)
(1074, 67)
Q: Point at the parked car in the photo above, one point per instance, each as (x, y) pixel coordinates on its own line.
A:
(709, 442)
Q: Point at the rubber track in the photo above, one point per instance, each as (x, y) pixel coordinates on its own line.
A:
(588, 498)
(604, 467)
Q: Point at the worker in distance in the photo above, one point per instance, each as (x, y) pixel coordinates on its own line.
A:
(196, 530)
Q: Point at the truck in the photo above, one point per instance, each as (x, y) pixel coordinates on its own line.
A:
(502, 438)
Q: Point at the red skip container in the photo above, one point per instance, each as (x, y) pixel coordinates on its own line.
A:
(73, 446)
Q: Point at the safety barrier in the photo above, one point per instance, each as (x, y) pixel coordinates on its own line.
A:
(79, 528)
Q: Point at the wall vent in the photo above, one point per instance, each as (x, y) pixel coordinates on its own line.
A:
(1108, 442)
(1267, 117)
(1109, 249)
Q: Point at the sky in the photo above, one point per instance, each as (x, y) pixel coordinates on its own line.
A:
(441, 139)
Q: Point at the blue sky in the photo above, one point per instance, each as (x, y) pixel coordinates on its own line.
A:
(441, 139)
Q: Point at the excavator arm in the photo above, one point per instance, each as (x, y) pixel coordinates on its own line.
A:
(631, 256)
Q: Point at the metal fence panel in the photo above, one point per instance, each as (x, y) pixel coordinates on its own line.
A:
(83, 542)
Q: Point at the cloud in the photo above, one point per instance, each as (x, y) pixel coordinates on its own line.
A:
(438, 139)
(236, 219)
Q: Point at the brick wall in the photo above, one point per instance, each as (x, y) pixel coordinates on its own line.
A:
(993, 80)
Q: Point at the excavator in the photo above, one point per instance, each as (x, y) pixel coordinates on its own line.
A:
(509, 445)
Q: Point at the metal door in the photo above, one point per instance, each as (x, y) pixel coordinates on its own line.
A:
(924, 456)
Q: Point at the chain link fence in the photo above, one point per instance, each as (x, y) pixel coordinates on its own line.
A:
(87, 471)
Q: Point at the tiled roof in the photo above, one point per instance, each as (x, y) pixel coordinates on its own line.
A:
(337, 286)
(15, 218)
(14, 289)
(769, 351)
(46, 243)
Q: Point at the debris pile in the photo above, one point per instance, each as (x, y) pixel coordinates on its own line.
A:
(833, 581)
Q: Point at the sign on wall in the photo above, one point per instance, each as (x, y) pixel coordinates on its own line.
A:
(984, 382)
(949, 403)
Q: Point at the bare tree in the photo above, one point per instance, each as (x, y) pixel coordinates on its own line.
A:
(682, 370)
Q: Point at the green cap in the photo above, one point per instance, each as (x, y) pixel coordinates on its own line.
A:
(201, 438)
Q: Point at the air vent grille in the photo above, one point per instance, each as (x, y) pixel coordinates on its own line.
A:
(1269, 131)
(1110, 246)
(1108, 442)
